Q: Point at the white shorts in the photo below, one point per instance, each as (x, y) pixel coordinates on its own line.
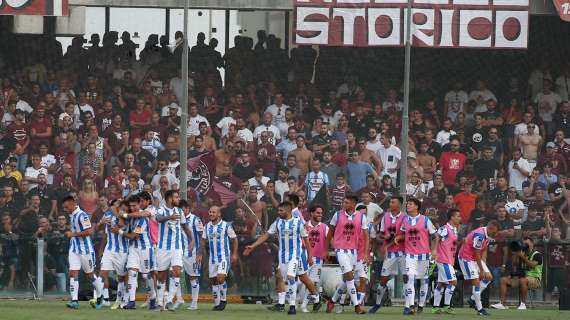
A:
(85, 262)
(291, 269)
(191, 268)
(445, 273)
(361, 270)
(393, 266)
(346, 260)
(141, 259)
(218, 268)
(114, 261)
(470, 269)
(168, 258)
(316, 270)
(417, 268)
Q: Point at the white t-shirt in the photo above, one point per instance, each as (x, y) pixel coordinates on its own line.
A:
(513, 207)
(274, 133)
(224, 125)
(47, 161)
(194, 125)
(24, 106)
(397, 105)
(253, 183)
(373, 210)
(31, 172)
(484, 94)
(547, 100)
(443, 137)
(389, 157)
(521, 129)
(277, 112)
(516, 178)
(456, 101)
(373, 146)
(165, 110)
(281, 187)
(245, 134)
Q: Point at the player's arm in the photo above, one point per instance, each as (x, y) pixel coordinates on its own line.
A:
(248, 249)
(136, 215)
(234, 251)
(435, 244)
(478, 258)
(188, 232)
(366, 239)
(309, 251)
(200, 253)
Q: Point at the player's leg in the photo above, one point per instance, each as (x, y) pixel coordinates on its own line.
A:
(175, 262)
(213, 276)
(163, 265)
(192, 269)
(409, 284)
(291, 284)
(314, 277)
(74, 267)
(104, 274)
(223, 287)
(281, 290)
(423, 275)
(88, 266)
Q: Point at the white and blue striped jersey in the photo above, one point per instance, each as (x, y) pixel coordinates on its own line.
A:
(170, 231)
(314, 182)
(290, 234)
(141, 227)
(195, 224)
(219, 237)
(79, 223)
(115, 242)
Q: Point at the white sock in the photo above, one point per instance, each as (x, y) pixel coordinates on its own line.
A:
(410, 291)
(173, 284)
(120, 289)
(361, 296)
(97, 283)
(160, 289)
(351, 288)
(302, 290)
(74, 288)
(151, 287)
(179, 297)
(484, 285)
(292, 291)
(437, 297)
(477, 297)
(448, 295)
(342, 299)
(106, 293)
(281, 297)
(195, 290)
(132, 285)
(125, 292)
(340, 288)
(223, 291)
(424, 288)
(216, 294)
(381, 291)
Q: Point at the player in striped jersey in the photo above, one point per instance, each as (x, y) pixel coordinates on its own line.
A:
(291, 233)
(81, 252)
(171, 225)
(149, 210)
(116, 250)
(141, 257)
(446, 241)
(191, 266)
(222, 244)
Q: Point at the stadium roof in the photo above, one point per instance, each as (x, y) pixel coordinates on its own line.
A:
(541, 7)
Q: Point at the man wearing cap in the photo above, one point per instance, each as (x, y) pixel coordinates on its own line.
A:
(559, 163)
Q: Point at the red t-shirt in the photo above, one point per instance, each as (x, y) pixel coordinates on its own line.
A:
(465, 202)
(20, 132)
(451, 163)
(140, 117)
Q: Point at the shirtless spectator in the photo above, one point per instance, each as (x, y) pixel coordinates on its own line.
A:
(530, 144)
(367, 155)
(302, 155)
(223, 157)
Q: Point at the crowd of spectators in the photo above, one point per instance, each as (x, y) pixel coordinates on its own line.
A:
(102, 122)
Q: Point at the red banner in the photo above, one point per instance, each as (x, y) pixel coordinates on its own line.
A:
(34, 7)
(435, 23)
(563, 8)
(201, 177)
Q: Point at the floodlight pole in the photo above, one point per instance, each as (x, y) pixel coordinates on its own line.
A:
(184, 108)
(405, 111)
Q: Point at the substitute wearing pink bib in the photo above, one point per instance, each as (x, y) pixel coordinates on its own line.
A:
(317, 239)
(447, 246)
(392, 226)
(417, 235)
(476, 239)
(347, 231)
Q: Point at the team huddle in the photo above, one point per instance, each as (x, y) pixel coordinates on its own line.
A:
(161, 243)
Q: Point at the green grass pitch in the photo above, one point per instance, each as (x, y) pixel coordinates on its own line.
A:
(52, 310)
